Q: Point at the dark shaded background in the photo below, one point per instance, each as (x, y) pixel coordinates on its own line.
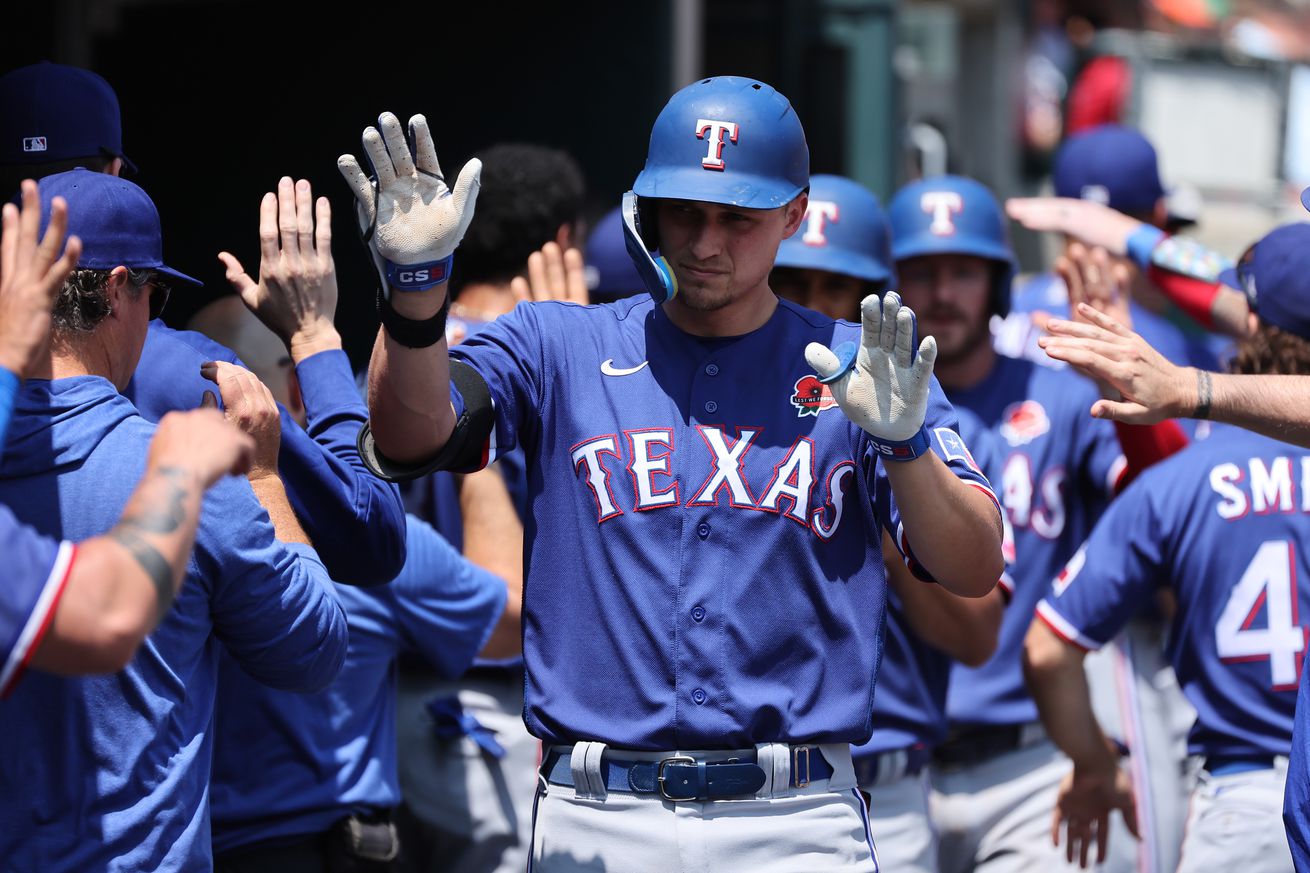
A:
(219, 99)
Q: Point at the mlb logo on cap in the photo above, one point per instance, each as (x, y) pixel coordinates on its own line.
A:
(34, 144)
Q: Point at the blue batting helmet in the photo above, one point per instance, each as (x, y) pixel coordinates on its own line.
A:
(952, 215)
(845, 231)
(727, 140)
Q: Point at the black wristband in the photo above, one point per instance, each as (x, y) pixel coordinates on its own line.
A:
(412, 333)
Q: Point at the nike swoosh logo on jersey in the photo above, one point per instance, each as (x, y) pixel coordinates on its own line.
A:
(607, 367)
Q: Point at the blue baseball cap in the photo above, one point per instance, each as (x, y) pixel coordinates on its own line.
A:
(611, 275)
(54, 112)
(845, 231)
(1274, 273)
(116, 221)
(1110, 164)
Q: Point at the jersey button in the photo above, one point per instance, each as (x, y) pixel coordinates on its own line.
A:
(703, 529)
(711, 369)
(698, 696)
(698, 613)
(711, 406)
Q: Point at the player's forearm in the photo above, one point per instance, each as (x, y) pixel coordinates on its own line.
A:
(1053, 670)
(1276, 406)
(954, 528)
(122, 583)
(493, 539)
(966, 628)
(409, 399)
(272, 495)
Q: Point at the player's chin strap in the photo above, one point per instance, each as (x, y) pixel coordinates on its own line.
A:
(654, 272)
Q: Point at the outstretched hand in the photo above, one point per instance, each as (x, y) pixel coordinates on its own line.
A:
(553, 274)
(886, 390)
(1083, 809)
(1085, 220)
(1151, 387)
(249, 405)
(201, 442)
(410, 219)
(296, 295)
(31, 275)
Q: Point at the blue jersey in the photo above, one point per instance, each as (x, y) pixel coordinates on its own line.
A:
(1296, 796)
(1223, 523)
(108, 771)
(704, 563)
(1059, 467)
(288, 765)
(355, 520)
(910, 706)
(36, 569)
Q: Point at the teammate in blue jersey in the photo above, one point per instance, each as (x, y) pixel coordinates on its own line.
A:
(704, 543)
(79, 609)
(1117, 166)
(132, 750)
(955, 266)
(355, 520)
(1220, 524)
(843, 254)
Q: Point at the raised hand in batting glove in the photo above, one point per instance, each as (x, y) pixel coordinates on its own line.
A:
(883, 385)
(410, 220)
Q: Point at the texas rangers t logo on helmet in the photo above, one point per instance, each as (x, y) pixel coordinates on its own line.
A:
(942, 205)
(716, 130)
(817, 215)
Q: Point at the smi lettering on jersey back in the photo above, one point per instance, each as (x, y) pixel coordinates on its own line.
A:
(1264, 487)
(778, 480)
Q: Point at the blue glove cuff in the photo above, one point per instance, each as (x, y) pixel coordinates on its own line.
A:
(1142, 242)
(902, 450)
(8, 388)
(419, 277)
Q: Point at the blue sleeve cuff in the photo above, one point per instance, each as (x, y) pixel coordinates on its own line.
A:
(327, 385)
(8, 388)
(1142, 242)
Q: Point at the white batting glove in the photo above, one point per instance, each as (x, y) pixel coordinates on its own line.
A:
(884, 386)
(411, 221)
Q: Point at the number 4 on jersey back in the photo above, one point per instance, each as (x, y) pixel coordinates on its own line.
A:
(1269, 581)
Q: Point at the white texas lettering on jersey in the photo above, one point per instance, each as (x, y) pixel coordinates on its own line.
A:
(942, 206)
(714, 131)
(1272, 488)
(817, 216)
(789, 491)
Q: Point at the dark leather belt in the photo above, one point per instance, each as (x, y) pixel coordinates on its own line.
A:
(682, 777)
(880, 768)
(1227, 765)
(970, 745)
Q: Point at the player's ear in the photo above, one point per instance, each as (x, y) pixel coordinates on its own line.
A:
(795, 213)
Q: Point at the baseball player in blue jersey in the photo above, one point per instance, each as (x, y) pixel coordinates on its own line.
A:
(82, 608)
(704, 586)
(997, 770)
(843, 254)
(1221, 524)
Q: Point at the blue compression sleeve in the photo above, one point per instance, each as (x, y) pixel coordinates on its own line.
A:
(8, 388)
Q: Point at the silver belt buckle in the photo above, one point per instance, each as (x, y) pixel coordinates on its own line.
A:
(796, 766)
(659, 774)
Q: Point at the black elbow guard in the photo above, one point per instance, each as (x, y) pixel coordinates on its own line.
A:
(464, 451)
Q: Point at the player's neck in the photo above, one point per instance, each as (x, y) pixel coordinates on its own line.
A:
(967, 370)
(749, 312)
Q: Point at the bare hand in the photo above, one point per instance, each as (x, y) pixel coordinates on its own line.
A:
(201, 442)
(1083, 810)
(251, 407)
(31, 275)
(1152, 388)
(553, 275)
(1085, 220)
(296, 295)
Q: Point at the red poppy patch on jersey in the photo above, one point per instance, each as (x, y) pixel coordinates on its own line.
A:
(1024, 422)
(812, 397)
